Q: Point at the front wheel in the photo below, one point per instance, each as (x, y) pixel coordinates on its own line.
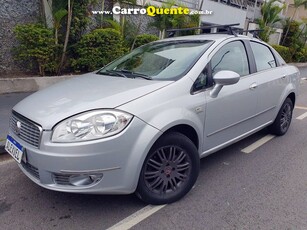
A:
(169, 171)
(283, 119)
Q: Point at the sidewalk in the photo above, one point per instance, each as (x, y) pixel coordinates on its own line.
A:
(28, 84)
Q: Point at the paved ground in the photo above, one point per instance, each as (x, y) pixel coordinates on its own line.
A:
(303, 72)
(265, 189)
(7, 101)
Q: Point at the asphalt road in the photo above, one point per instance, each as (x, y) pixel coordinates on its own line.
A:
(303, 72)
(265, 189)
(7, 101)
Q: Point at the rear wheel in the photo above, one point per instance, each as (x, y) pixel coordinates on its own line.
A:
(283, 119)
(169, 171)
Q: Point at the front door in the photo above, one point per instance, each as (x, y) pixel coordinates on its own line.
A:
(232, 113)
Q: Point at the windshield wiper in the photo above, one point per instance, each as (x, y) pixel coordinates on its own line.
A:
(118, 73)
(135, 74)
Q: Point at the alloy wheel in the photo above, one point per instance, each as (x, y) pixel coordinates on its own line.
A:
(167, 170)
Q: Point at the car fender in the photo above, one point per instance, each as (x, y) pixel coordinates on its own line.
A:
(287, 91)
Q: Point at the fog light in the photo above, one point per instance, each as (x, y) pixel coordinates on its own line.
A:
(81, 180)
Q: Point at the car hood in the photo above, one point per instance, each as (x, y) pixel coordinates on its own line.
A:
(83, 93)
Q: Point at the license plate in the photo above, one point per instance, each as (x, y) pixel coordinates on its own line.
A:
(14, 148)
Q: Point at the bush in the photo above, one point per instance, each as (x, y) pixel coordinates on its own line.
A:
(143, 39)
(108, 23)
(284, 52)
(301, 56)
(97, 49)
(37, 47)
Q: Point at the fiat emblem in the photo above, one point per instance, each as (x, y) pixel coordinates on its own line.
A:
(18, 127)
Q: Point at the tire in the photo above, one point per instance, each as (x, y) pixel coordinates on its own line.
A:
(169, 171)
(282, 122)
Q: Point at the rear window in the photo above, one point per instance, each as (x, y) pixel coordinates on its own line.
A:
(263, 56)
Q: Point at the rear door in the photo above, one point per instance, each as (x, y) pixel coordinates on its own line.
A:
(271, 81)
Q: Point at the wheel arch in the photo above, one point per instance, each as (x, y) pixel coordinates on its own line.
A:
(292, 97)
(186, 130)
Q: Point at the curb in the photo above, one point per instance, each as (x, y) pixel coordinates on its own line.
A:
(28, 84)
(299, 65)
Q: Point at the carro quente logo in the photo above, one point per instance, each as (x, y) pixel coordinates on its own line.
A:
(152, 11)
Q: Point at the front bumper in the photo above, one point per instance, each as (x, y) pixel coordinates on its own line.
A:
(113, 163)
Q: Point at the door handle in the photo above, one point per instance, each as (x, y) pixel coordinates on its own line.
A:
(253, 86)
(283, 77)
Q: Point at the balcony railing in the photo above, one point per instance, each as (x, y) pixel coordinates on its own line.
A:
(192, 4)
(242, 4)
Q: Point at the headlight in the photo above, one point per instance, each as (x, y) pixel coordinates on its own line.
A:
(91, 125)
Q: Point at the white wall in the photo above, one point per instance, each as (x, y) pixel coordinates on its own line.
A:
(223, 14)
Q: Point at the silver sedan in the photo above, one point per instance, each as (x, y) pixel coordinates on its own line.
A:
(142, 123)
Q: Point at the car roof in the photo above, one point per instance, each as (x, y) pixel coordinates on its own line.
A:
(213, 37)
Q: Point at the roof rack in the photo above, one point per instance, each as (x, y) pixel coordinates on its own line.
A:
(228, 27)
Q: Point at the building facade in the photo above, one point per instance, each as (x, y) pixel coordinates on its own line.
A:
(290, 11)
(231, 11)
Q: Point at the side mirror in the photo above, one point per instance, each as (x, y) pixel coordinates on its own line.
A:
(221, 78)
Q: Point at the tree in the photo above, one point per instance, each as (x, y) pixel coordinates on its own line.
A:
(122, 17)
(139, 24)
(270, 15)
(69, 16)
(163, 21)
(57, 18)
(297, 4)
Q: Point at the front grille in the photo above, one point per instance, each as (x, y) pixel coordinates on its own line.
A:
(61, 179)
(30, 169)
(28, 130)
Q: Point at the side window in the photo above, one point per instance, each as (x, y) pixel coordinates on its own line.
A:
(263, 56)
(232, 57)
(202, 80)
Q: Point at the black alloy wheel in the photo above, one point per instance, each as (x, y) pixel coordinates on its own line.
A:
(169, 171)
(283, 119)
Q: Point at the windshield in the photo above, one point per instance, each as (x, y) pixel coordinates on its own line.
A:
(168, 60)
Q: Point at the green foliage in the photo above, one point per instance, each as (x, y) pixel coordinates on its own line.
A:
(80, 16)
(109, 23)
(80, 19)
(129, 32)
(298, 3)
(301, 56)
(97, 49)
(37, 47)
(58, 16)
(163, 21)
(292, 39)
(143, 39)
(289, 54)
(284, 52)
(295, 40)
(270, 15)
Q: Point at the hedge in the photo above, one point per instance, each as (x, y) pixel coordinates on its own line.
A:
(284, 52)
(97, 49)
(143, 39)
(37, 47)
